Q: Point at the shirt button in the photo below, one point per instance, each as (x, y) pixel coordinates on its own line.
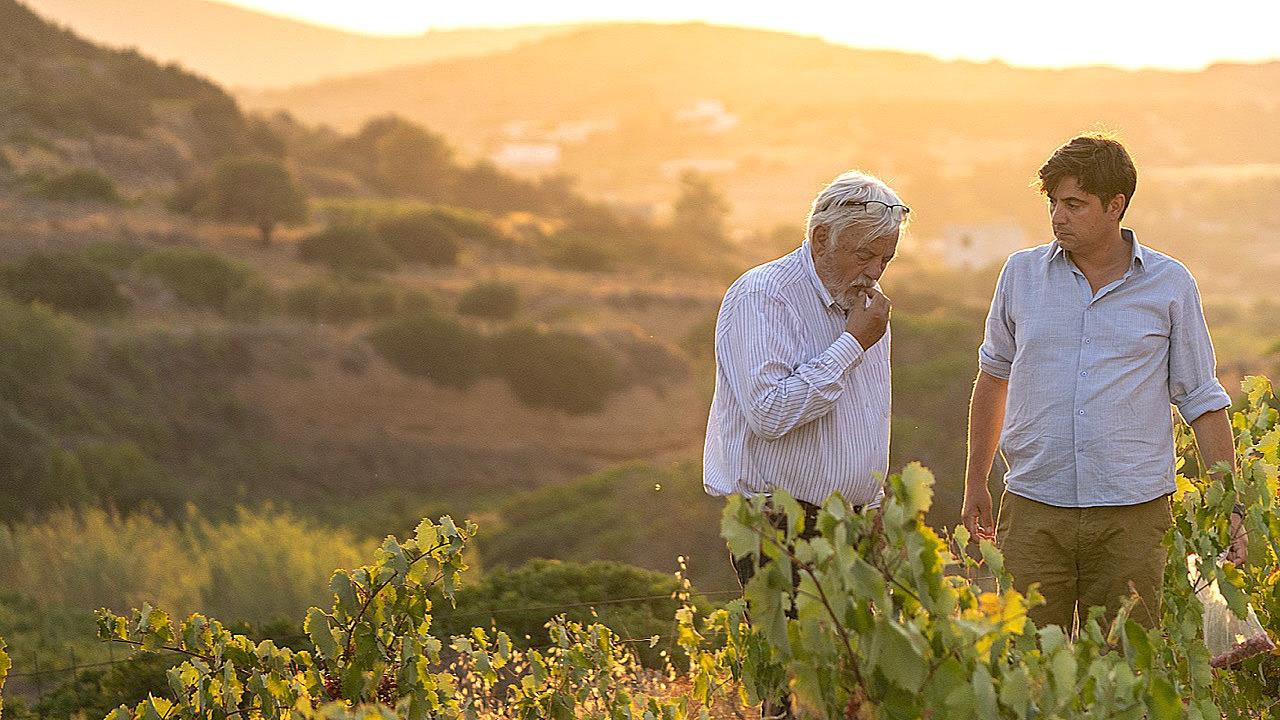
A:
(1084, 373)
(1086, 341)
(1081, 412)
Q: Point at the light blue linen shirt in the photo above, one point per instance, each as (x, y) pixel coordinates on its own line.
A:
(798, 404)
(1092, 375)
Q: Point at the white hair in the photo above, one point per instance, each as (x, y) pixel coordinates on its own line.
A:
(832, 208)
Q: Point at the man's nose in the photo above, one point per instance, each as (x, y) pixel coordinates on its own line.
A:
(1058, 215)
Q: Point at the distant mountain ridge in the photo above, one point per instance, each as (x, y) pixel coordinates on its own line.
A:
(625, 107)
(242, 48)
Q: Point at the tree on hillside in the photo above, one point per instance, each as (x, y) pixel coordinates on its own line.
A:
(409, 160)
(256, 190)
(700, 211)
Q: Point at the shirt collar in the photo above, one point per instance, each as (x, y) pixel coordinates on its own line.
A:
(1137, 259)
(806, 258)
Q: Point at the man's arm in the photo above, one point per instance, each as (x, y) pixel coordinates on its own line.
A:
(1217, 446)
(986, 417)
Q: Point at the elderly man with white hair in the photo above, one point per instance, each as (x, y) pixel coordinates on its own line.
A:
(801, 400)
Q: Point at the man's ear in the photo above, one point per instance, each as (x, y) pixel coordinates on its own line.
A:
(1115, 205)
(819, 237)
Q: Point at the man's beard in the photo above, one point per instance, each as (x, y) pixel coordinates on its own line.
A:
(852, 295)
(848, 295)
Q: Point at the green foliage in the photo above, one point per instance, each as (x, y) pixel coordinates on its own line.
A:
(198, 278)
(341, 300)
(521, 602)
(72, 186)
(255, 190)
(490, 299)
(598, 517)
(257, 566)
(571, 251)
(554, 369)
(38, 348)
(266, 566)
(95, 692)
(421, 237)
(427, 344)
(68, 282)
(699, 213)
(372, 645)
(645, 361)
(348, 248)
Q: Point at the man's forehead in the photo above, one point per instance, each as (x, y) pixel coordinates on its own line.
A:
(884, 243)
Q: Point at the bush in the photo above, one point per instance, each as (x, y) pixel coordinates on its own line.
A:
(569, 251)
(595, 518)
(257, 566)
(347, 247)
(65, 281)
(469, 225)
(647, 362)
(551, 369)
(340, 300)
(421, 237)
(522, 601)
(38, 348)
(199, 279)
(492, 299)
(264, 566)
(75, 185)
(426, 344)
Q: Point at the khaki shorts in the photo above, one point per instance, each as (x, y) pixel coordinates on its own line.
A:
(1085, 556)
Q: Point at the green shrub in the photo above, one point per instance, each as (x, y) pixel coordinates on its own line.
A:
(65, 281)
(521, 601)
(421, 237)
(645, 361)
(340, 300)
(38, 348)
(91, 558)
(121, 474)
(75, 185)
(199, 279)
(469, 225)
(432, 346)
(569, 251)
(598, 517)
(492, 299)
(264, 566)
(347, 247)
(553, 369)
(115, 254)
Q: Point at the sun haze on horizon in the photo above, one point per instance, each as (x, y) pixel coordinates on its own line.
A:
(1087, 32)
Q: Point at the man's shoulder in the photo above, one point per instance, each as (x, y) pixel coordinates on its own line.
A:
(1165, 267)
(770, 278)
(1027, 257)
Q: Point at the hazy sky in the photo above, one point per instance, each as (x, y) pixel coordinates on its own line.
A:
(1173, 33)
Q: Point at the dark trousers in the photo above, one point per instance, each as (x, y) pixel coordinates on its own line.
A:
(746, 569)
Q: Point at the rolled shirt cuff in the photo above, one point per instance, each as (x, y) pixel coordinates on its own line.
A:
(846, 352)
(1208, 397)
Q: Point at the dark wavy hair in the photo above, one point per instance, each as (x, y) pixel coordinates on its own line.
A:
(1098, 162)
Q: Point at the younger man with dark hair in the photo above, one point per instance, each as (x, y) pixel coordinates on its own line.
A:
(1088, 341)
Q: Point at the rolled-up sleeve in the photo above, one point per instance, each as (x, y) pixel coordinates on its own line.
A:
(1193, 382)
(995, 356)
(756, 346)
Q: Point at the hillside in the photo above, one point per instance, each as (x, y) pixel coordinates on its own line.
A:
(770, 116)
(267, 51)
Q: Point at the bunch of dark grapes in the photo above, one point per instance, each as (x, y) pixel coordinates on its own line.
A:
(387, 690)
(1242, 651)
(332, 687)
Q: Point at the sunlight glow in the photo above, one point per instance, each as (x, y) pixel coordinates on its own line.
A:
(1176, 34)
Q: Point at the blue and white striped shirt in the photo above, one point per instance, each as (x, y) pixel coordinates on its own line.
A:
(1091, 375)
(798, 404)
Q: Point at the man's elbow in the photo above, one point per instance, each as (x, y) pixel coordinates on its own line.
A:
(766, 428)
